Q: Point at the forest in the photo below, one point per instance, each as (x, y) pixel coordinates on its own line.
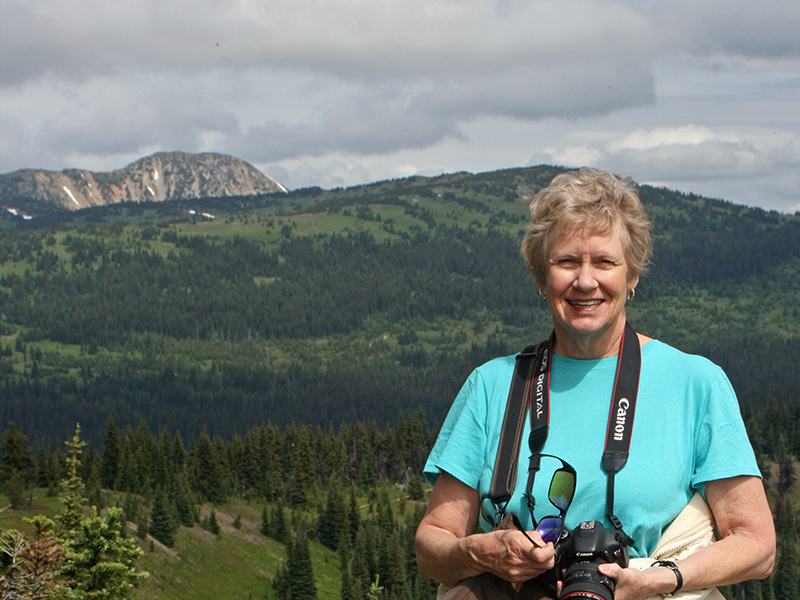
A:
(299, 350)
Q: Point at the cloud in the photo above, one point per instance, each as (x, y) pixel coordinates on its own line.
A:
(363, 83)
(700, 159)
(737, 28)
(358, 39)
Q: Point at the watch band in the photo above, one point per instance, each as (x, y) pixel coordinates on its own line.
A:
(671, 565)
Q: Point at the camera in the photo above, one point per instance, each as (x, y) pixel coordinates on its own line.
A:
(580, 551)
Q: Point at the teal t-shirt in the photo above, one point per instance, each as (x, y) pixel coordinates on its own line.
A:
(687, 430)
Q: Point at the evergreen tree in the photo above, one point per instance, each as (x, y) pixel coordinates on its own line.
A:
(786, 579)
(301, 467)
(265, 524)
(767, 588)
(111, 455)
(353, 518)
(181, 497)
(208, 479)
(15, 457)
(72, 487)
(213, 524)
(414, 488)
(365, 560)
(299, 571)
(347, 591)
(279, 530)
(367, 471)
(332, 522)
(178, 453)
(98, 560)
(161, 526)
(127, 479)
(395, 570)
(751, 590)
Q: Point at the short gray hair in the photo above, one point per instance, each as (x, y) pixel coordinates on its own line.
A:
(587, 199)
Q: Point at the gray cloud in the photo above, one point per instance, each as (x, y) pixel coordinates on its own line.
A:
(731, 27)
(363, 88)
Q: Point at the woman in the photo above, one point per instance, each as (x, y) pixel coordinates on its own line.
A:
(586, 245)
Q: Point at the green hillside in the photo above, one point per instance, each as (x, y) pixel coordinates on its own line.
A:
(361, 302)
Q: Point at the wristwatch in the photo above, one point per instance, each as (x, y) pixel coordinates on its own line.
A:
(671, 565)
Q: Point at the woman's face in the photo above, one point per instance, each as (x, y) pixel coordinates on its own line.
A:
(587, 282)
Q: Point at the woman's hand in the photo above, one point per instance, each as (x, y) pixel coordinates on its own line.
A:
(448, 551)
(633, 584)
(509, 554)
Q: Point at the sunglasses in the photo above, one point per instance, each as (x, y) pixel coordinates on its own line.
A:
(560, 494)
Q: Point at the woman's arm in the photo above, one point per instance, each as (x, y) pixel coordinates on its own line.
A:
(448, 551)
(745, 550)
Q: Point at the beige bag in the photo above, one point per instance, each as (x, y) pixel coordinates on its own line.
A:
(691, 530)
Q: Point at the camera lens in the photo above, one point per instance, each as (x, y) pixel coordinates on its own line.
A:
(583, 581)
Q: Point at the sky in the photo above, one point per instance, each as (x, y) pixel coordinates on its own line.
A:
(698, 96)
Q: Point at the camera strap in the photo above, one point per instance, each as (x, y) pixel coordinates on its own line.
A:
(530, 389)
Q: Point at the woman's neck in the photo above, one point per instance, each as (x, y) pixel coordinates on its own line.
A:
(589, 347)
(566, 346)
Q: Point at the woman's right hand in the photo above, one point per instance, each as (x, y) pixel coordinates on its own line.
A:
(448, 549)
(509, 554)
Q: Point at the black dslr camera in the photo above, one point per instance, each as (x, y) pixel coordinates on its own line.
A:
(580, 551)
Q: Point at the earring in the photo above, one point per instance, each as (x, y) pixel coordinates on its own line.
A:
(631, 294)
(542, 294)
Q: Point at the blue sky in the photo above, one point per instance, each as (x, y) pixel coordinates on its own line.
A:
(697, 96)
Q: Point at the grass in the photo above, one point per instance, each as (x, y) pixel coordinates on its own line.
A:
(238, 563)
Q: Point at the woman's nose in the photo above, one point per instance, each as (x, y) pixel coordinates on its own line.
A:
(586, 280)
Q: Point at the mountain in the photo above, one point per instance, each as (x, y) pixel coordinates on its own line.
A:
(315, 306)
(160, 177)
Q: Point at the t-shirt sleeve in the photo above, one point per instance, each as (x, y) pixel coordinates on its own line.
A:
(723, 448)
(460, 448)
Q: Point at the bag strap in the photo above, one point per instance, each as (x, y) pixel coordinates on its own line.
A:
(504, 477)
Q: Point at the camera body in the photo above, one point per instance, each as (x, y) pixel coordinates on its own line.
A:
(580, 551)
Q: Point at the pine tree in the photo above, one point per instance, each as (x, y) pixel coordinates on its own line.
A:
(213, 524)
(16, 457)
(395, 567)
(279, 528)
(367, 472)
(161, 527)
(347, 591)
(751, 590)
(333, 519)
(353, 518)
(786, 579)
(301, 463)
(111, 455)
(414, 489)
(208, 479)
(299, 571)
(265, 524)
(72, 487)
(181, 497)
(98, 560)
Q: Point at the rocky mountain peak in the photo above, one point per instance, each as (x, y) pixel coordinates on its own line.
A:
(159, 177)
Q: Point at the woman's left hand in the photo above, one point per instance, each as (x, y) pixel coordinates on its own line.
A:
(633, 584)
